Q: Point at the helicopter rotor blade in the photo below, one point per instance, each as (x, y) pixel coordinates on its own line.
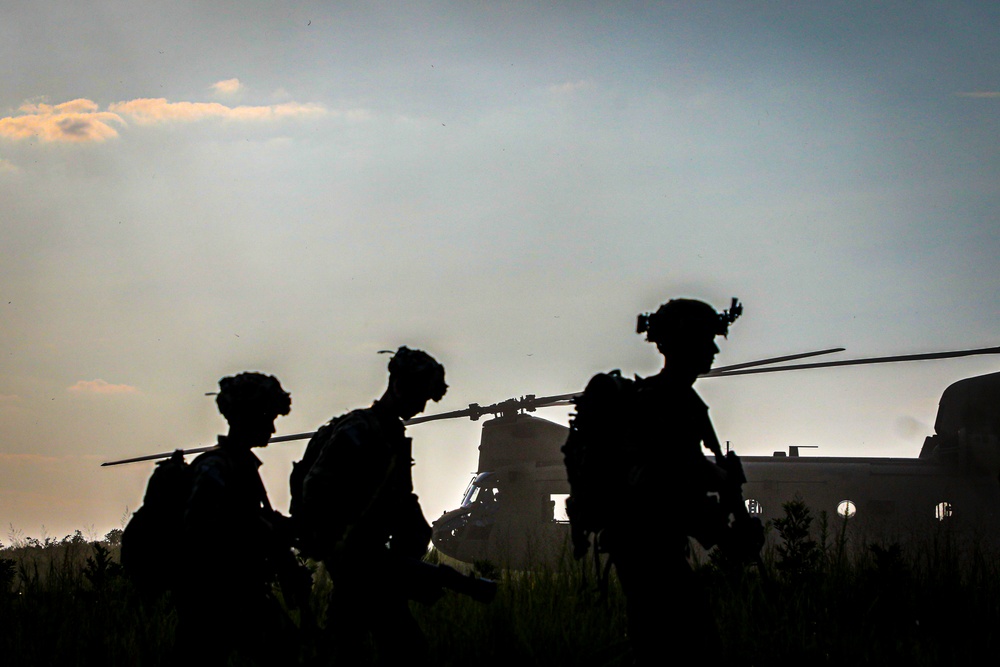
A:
(152, 457)
(293, 436)
(530, 402)
(772, 360)
(566, 399)
(473, 411)
(860, 362)
(199, 450)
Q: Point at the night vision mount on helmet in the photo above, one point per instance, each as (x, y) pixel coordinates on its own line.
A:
(682, 319)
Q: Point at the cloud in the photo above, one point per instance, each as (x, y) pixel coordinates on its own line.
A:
(101, 387)
(571, 87)
(7, 166)
(981, 94)
(148, 111)
(81, 120)
(75, 121)
(227, 87)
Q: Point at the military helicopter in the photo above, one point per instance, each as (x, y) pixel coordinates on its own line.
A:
(513, 509)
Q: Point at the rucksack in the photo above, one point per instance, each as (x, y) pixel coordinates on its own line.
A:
(602, 465)
(296, 481)
(306, 525)
(152, 538)
(598, 459)
(303, 525)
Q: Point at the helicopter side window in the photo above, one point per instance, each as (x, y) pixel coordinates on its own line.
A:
(754, 508)
(847, 509)
(558, 503)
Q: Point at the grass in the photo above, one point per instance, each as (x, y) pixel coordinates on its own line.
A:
(821, 597)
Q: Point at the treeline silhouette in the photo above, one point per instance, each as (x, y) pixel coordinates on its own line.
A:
(822, 598)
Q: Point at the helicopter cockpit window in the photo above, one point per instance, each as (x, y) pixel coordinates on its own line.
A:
(470, 495)
(847, 509)
(754, 508)
(942, 511)
(482, 489)
(558, 502)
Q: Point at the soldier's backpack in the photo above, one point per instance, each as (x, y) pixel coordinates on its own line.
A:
(598, 459)
(300, 469)
(152, 538)
(301, 521)
(601, 465)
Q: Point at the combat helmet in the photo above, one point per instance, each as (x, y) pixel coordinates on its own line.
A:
(251, 394)
(680, 320)
(418, 371)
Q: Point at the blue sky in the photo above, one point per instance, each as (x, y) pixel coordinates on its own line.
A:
(195, 190)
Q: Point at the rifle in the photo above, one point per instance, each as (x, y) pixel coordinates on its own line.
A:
(426, 582)
(743, 538)
(294, 579)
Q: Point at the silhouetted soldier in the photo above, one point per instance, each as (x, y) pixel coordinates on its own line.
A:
(365, 520)
(667, 613)
(230, 537)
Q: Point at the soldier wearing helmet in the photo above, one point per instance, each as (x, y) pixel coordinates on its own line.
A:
(684, 332)
(230, 535)
(363, 516)
(669, 426)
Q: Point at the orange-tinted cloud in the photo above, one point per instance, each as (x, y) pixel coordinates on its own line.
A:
(227, 87)
(101, 387)
(147, 111)
(82, 120)
(74, 121)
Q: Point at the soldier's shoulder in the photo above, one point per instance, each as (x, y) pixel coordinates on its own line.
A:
(352, 429)
(355, 420)
(213, 464)
(608, 384)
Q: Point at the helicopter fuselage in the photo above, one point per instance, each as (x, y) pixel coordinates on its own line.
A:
(513, 510)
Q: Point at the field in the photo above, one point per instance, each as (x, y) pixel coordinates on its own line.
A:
(819, 598)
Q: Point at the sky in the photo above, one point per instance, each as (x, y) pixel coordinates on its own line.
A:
(195, 189)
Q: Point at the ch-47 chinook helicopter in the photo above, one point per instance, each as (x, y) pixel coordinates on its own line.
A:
(513, 511)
